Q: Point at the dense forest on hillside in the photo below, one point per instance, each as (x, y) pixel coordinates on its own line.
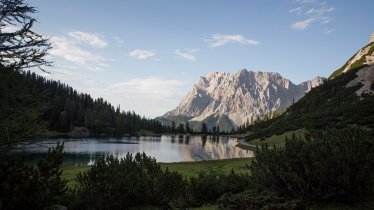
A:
(330, 105)
(32, 105)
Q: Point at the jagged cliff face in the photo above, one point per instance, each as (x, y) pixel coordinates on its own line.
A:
(229, 100)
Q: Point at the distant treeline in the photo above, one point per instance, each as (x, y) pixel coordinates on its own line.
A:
(30, 100)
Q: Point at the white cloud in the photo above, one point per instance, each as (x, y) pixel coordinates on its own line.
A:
(70, 51)
(297, 10)
(326, 20)
(80, 49)
(305, 1)
(315, 11)
(187, 54)
(151, 96)
(9, 29)
(301, 25)
(328, 30)
(319, 11)
(142, 54)
(91, 39)
(218, 40)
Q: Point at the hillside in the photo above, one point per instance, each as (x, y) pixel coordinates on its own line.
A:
(345, 100)
(32, 107)
(364, 56)
(230, 100)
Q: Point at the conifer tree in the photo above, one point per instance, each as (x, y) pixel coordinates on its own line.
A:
(20, 46)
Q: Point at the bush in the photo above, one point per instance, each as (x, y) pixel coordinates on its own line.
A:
(129, 182)
(258, 200)
(26, 187)
(335, 164)
(209, 185)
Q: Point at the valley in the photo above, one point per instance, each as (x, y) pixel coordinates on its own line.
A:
(186, 105)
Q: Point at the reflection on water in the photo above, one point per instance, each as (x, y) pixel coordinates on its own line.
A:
(166, 148)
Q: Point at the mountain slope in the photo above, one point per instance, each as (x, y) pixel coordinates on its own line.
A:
(230, 100)
(345, 100)
(364, 56)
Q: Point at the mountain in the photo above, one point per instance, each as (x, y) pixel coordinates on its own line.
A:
(230, 100)
(364, 56)
(345, 100)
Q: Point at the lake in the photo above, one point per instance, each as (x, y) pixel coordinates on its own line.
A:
(167, 148)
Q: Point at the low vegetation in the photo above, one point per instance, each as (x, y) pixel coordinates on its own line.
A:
(274, 140)
(327, 165)
(126, 183)
(28, 187)
(321, 167)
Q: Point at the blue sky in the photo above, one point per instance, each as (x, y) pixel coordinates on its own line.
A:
(146, 55)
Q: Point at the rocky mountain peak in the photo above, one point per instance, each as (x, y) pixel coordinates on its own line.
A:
(230, 100)
(365, 56)
(371, 38)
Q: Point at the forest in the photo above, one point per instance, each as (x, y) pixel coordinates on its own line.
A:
(33, 105)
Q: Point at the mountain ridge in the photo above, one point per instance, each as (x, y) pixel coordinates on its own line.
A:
(241, 97)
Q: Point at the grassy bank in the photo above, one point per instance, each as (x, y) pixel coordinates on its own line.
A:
(187, 169)
(277, 140)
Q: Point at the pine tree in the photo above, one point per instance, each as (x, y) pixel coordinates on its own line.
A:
(204, 129)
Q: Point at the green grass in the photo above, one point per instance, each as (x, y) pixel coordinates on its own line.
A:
(187, 169)
(208, 207)
(246, 147)
(69, 173)
(241, 135)
(277, 140)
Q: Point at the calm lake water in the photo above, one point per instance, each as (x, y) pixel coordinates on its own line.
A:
(166, 148)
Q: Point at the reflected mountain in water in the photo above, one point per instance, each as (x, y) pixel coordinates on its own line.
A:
(167, 148)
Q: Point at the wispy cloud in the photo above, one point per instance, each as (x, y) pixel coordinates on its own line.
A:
(187, 54)
(305, 1)
(91, 39)
(313, 11)
(69, 50)
(9, 29)
(297, 10)
(301, 25)
(142, 54)
(152, 96)
(328, 30)
(319, 12)
(118, 40)
(218, 40)
(326, 20)
(80, 49)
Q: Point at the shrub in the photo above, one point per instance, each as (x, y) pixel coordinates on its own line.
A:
(210, 184)
(334, 164)
(27, 187)
(133, 181)
(258, 200)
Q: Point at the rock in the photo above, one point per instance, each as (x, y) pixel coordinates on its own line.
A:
(57, 207)
(243, 96)
(371, 38)
(79, 132)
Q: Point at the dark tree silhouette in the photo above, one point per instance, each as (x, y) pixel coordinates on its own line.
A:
(20, 46)
(204, 129)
